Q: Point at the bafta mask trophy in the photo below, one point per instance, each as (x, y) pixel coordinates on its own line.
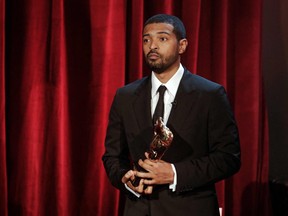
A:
(162, 139)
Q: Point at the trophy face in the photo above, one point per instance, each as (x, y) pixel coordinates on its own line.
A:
(162, 139)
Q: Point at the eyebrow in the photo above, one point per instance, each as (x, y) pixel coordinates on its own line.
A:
(144, 35)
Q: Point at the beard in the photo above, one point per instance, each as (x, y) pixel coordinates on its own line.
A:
(162, 63)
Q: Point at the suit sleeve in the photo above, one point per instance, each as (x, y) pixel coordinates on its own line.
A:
(223, 157)
(116, 156)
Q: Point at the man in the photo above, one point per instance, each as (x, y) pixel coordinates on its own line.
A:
(205, 148)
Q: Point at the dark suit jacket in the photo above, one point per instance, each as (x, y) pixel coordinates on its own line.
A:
(205, 148)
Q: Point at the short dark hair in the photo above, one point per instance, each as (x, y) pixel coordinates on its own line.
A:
(179, 28)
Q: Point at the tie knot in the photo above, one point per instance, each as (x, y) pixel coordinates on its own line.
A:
(162, 89)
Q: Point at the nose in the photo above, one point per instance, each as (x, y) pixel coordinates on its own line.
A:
(153, 45)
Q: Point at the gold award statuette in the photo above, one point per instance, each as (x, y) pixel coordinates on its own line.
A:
(162, 139)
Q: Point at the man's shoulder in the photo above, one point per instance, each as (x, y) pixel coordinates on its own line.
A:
(135, 86)
(198, 82)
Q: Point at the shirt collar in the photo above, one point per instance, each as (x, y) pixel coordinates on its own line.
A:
(171, 85)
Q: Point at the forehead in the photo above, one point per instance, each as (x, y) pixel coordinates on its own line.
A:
(158, 28)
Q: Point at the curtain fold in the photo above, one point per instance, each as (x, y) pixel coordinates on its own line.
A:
(61, 64)
(3, 171)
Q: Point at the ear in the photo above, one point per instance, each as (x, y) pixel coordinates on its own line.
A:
(183, 43)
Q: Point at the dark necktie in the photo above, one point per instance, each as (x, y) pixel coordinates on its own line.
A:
(159, 110)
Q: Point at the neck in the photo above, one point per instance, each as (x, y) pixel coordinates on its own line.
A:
(166, 75)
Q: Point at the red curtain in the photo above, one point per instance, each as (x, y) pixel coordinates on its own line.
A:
(3, 171)
(61, 63)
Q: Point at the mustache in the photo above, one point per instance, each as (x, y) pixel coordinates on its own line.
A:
(153, 52)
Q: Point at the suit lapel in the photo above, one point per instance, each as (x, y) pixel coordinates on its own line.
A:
(142, 104)
(185, 98)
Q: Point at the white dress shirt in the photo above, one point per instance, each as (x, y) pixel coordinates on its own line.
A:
(169, 97)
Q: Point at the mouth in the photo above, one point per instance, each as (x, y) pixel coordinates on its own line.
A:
(153, 56)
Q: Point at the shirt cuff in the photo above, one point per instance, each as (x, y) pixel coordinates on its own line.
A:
(173, 185)
(133, 192)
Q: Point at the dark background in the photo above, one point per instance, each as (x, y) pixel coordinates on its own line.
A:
(275, 69)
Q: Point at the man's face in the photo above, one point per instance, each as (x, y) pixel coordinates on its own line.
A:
(160, 46)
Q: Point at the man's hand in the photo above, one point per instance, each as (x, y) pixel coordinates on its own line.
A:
(129, 177)
(158, 172)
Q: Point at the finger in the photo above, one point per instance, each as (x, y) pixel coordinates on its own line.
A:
(140, 187)
(140, 162)
(143, 174)
(134, 175)
(151, 162)
(130, 185)
(127, 176)
(148, 190)
(146, 164)
(143, 164)
(149, 181)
